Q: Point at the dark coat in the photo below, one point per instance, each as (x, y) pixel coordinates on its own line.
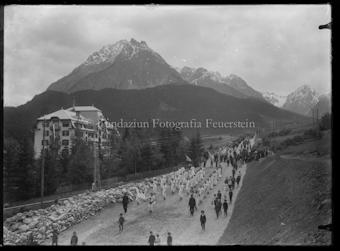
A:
(169, 240)
(192, 202)
(125, 199)
(152, 240)
(203, 219)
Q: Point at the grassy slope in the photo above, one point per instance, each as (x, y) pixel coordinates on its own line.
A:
(288, 188)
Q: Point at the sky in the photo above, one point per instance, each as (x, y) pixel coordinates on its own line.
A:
(274, 48)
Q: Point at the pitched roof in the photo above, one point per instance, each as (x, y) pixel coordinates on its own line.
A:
(64, 114)
(83, 108)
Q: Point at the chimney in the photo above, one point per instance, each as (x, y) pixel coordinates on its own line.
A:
(74, 102)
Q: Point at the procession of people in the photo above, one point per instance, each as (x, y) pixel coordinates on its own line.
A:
(197, 184)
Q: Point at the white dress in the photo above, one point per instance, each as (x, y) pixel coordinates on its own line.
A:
(164, 191)
(180, 192)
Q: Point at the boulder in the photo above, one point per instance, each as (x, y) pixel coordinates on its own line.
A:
(23, 238)
(14, 227)
(27, 221)
(55, 225)
(33, 224)
(53, 219)
(42, 230)
(23, 228)
(70, 219)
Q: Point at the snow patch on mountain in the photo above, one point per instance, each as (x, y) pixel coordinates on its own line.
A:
(274, 99)
(130, 49)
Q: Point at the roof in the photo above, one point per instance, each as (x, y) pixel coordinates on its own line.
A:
(83, 108)
(64, 114)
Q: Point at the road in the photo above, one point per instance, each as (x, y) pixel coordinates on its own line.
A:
(171, 215)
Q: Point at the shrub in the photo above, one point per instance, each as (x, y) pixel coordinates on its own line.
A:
(285, 131)
(299, 139)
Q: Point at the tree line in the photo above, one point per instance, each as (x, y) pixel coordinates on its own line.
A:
(137, 150)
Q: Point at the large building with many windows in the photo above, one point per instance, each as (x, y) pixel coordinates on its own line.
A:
(60, 129)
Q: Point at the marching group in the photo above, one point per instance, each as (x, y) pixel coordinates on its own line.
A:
(194, 183)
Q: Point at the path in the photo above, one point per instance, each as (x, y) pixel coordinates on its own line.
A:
(169, 215)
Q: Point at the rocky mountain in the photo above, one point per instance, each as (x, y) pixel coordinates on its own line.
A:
(123, 65)
(210, 79)
(323, 105)
(179, 103)
(274, 99)
(301, 100)
(241, 85)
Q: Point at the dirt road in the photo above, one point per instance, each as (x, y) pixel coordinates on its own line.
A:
(171, 215)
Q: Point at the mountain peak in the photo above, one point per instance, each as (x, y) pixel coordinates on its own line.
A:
(133, 41)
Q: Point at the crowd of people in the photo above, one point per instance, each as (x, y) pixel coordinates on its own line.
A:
(194, 183)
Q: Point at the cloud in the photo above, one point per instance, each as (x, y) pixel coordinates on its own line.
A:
(272, 47)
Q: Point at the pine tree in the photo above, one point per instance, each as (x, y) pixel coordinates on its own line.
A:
(11, 170)
(26, 166)
(80, 167)
(64, 160)
(52, 172)
(196, 148)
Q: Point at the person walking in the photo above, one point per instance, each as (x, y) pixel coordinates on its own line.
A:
(213, 202)
(158, 240)
(74, 239)
(233, 182)
(233, 171)
(169, 239)
(125, 202)
(121, 222)
(219, 195)
(164, 191)
(203, 220)
(192, 205)
(230, 183)
(55, 237)
(154, 186)
(152, 239)
(238, 179)
(218, 205)
(230, 195)
(152, 202)
(180, 191)
(225, 207)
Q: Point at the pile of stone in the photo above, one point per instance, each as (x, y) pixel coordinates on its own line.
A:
(67, 213)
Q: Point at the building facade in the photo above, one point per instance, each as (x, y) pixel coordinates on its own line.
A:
(61, 128)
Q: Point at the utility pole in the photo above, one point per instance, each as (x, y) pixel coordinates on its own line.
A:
(274, 135)
(94, 159)
(313, 118)
(317, 118)
(42, 166)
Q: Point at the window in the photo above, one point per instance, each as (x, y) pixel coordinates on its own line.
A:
(46, 124)
(46, 142)
(90, 134)
(47, 133)
(65, 142)
(66, 133)
(82, 134)
(96, 135)
(66, 124)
